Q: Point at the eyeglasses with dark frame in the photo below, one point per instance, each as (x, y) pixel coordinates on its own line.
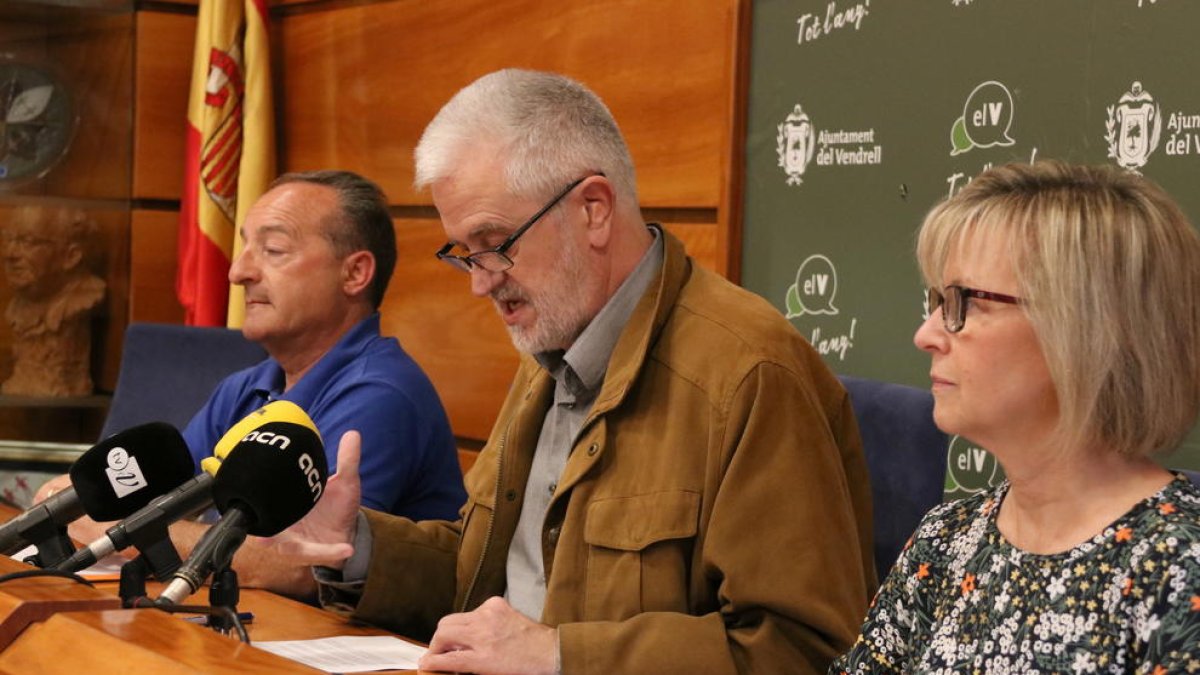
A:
(953, 302)
(495, 259)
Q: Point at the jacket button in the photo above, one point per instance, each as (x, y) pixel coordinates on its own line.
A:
(592, 449)
(552, 535)
(511, 495)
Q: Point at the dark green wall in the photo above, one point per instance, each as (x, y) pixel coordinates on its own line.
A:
(899, 101)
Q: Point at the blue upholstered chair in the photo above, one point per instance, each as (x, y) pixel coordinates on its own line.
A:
(168, 371)
(906, 458)
(1193, 475)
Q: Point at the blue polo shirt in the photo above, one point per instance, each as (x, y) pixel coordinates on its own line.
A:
(368, 383)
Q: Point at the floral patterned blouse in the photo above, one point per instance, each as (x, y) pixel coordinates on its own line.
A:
(961, 599)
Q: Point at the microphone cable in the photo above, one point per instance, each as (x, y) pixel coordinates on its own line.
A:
(27, 574)
(225, 613)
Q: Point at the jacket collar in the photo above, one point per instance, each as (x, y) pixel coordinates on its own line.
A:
(644, 325)
(629, 355)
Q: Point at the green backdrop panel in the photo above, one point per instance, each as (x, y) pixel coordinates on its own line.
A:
(864, 114)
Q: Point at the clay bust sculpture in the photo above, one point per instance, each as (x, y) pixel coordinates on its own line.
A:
(53, 295)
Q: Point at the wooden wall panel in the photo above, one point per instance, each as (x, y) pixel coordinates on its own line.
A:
(456, 337)
(154, 237)
(359, 83)
(360, 80)
(162, 74)
(700, 240)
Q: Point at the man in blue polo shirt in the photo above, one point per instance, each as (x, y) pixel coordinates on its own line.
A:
(368, 383)
(319, 252)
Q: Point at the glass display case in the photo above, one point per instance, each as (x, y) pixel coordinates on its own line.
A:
(66, 120)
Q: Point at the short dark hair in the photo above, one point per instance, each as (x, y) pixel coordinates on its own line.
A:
(365, 223)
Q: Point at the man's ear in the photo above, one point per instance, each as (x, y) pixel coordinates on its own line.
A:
(358, 270)
(598, 201)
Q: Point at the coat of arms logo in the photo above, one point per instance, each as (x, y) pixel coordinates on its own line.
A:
(794, 144)
(1133, 128)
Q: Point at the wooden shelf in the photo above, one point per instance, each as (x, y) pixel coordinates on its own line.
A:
(93, 401)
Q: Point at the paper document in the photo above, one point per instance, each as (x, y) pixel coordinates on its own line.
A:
(349, 654)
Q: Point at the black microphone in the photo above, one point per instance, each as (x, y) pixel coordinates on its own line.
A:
(113, 479)
(146, 527)
(269, 480)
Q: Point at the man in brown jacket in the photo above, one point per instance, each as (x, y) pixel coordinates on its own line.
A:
(675, 482)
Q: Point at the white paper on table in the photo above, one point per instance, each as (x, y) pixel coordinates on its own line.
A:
(349, 653)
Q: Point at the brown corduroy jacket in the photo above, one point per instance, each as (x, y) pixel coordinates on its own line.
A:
(714, 515)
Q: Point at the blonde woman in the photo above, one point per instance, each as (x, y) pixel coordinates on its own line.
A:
(1064, 335)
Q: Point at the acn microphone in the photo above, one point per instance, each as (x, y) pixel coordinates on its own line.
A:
(113, 479)
(270, 479)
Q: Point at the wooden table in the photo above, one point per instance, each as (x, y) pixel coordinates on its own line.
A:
(55, 625)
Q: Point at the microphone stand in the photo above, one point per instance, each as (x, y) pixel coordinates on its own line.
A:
(133, 581)
(223, 592)
(53, 544)
(221, 613)
(161, 557)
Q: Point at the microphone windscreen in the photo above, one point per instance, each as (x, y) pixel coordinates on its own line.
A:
(124, 472)
(276, 471)
(275, 411)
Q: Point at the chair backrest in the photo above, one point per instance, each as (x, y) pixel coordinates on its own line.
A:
(906, 457)
(1193, 476)
(169, 371)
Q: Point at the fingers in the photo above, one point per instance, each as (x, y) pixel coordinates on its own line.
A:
(448, 650)
(314, 553)
(50, 487)
(451, 631)
(494, 638)
(349, 450)
(84, 529)
(449, 662)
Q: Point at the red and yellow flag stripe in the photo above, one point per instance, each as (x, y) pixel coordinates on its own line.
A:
(230, 154)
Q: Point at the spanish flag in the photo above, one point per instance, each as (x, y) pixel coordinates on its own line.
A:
(230, 154)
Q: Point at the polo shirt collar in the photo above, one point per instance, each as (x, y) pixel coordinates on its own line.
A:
(270, 381)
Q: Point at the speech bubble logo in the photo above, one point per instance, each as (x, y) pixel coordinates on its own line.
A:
(986, 120)
(970, 467)
(815, 288)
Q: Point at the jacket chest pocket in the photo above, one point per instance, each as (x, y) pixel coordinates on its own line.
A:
(639, 551)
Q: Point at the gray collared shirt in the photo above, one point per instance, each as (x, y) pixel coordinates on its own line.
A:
(578, 375)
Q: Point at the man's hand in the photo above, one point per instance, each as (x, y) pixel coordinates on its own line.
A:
(492, 640)
(325, 535)
(50, 487)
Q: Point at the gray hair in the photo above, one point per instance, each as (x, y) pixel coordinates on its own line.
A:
(1111, 270)
(549, 128)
